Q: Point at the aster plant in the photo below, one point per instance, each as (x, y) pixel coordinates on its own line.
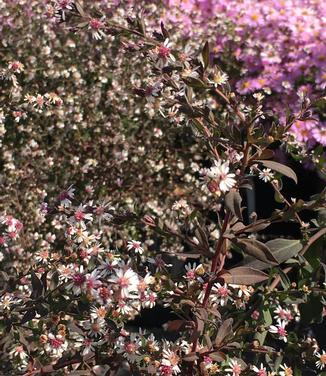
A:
(237, 303)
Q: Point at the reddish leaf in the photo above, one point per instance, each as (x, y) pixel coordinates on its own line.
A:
(244, 276)
(217, 356)
(224, 332)
(257, 249)
(233, 203)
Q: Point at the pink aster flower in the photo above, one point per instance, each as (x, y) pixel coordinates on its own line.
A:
(319, 133)
(220, 294)
(56, 345)
(126, 281)
(78, 281)
(66, 196)
(234, 368)
(92, 281)
(96, 26)
(260, 371)
(283, 314)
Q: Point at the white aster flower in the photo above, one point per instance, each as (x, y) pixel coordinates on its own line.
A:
(279, 329)
(321, 362)
(136, 246)
(266, 175)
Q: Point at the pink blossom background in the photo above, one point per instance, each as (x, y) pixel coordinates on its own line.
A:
(279, 45)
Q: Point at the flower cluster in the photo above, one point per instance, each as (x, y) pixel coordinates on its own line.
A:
(276, 46)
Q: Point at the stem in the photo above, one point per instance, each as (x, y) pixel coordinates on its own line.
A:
(217, 265)
(234, 108)
(220, 243)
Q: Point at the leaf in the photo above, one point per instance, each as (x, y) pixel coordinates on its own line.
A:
(190, 357)
(256, 226)
(224, 332)
(195, 82)
(281, 168)
(268, 320)
(37, 286)
(29, 315)
(218, 356)
(79, 8)
(141, 25)
(233, 203)
(188, 302)
(176, 325)
(205, 55)
(23, 340)
(257, 249)
(285, 281)
(44, 280)
(243, 275)
(266, 154)
(165, 33)
(282, 250)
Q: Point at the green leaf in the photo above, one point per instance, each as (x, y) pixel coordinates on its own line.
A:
(281, 168)
(284, 279)
(268, 320)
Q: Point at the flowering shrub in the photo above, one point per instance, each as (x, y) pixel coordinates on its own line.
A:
(162, 152)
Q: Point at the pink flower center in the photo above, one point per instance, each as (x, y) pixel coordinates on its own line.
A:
(64, 4)
(282, 332)
(152, 298)
(12, 234)
(15, 66)
(166, 370)
(19, 349)
(63, 195)
(123, 282)
(163, 52)
(191, 274)
(56, 343)
(78, 279)
(87, 342)
(282, 314)
(236, 369)
(223, 292)
(95, 327)
(130, 348)
(95, 24)
(79, 215)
